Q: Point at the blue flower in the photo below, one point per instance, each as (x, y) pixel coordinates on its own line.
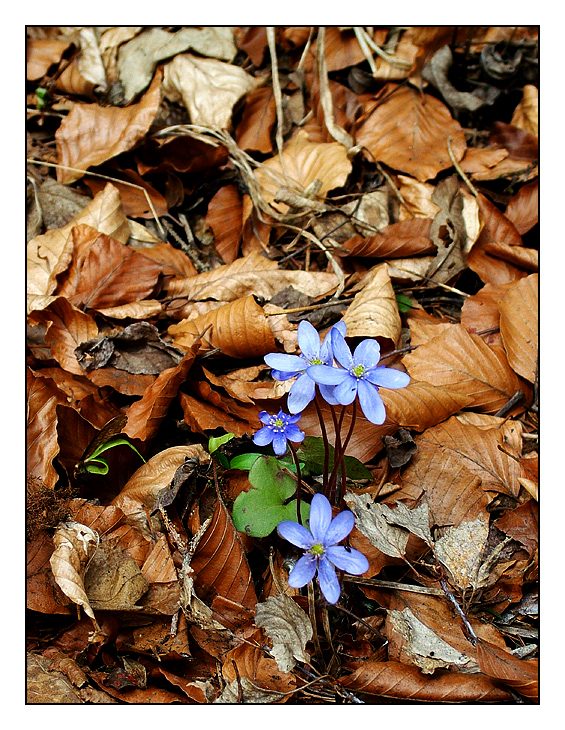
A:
(285, 367)
(360, 375)
(278, 430)
(322, 552)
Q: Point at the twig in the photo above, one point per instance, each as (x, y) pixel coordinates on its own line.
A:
(309, 308)
(376, 583)
(460, 172)
(467, 628)
(337, 132)
(360, 35)
(276, 90)
(398, 62)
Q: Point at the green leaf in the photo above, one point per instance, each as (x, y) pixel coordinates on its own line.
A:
(244, 462)
(97, 466)
(405, 303)
(312, 452)
(215, 442)
(258, 511)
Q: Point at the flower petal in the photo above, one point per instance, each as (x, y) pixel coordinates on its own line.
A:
(326, 374)
(388, 377)
(320, 517)
(279, 443)
(348, 559)
(264, 417)
(303, 571)
(339, 528)
(326, 352)
(279, 375)
(286, 363)
(371, 403)
(328, 581)
(346, 391)
(301, 393)
(309, 340)
(327, 393)
(293, 433)
(263, 436)
(367, 353)
(296, 534)
(340, 349)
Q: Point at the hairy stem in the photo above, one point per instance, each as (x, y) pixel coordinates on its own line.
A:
(326, 445)
(298, 481)
(342, 455)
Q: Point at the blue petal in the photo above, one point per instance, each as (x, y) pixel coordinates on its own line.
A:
(341, 350)
(348, 559)
(263, 436)
(296, 534)
(371, 403)
(346, 391)
(388, 377)
(279, 443)
(367, 353)
(326, 374)
(320, 517)
(303, 571)
(293, 433)
(286, 363)
(327, 393)
(264, 417)
(293, 419)
(340, 527)
(279, 375)
(309, 340)
(326, 353)
(301, 393)
(328, 581)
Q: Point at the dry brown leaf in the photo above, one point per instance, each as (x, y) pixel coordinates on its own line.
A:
(409, 132)
(257, 121)
(111, 130)
(159, 566)
(417, 197)
(410, 237)
(133, 310)
(519, 326)
(41, 54)
(288, 627)
(106, 273)
(482, 159)
(302, 162)
(374, 311)
(205, 416)
(75, 545)
(145, 415)
(262, 671)
(224, 217)
(220, 562)
(520, 675)
(481, 312)
(50, 254)
(113, 580)
(405, 682)
(46, 685)
(523, 208)
(134, 199)
(173, 261)
(524, 259)
(238, 329)
(42, 445)
(208, 88)
(246, 384)
(157, 474)
(42, 593)
(370, 521)
(464, 363)
(526, 114)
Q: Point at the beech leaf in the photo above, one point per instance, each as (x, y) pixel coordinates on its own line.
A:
(289, 629)
(371, 521)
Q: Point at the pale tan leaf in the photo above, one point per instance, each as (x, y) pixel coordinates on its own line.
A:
(417, 197)
(301, 163)
(415, 520)
(460, 551)
(113, 581)
(523, 209)
(519, 326)
(157, 474)
(526, 114)
(159, 566)
(208, 88)
(288, 627)
(409, 131)
(371, 521)
(74, 546)
(239, 329)
(374, 311)
(133, 310)
(464, 363)
(92, 134)
(50, 254)
(243, 690)
(41, 54)
(411, 270)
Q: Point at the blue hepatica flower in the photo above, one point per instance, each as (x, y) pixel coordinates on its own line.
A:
(322, 552)
(285, 367)
(278, 430)
(360, 375)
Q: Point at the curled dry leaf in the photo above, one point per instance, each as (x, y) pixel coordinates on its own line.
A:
(238, 329)
(75, 544)
(173, 262)
(145, 415)
(42, 445)
(111, 130)
(374, 311)
(410, 237)
(519, 326)
(205, 416)
(243, 691)
(526, 114)
(145, 485)
(46, 685)
(523, 209)
(464, 363)
(300, 164)
(289, 629)
(208, 88)
(520, 675)
(224, 217)
(409, 131)
(402, 681)
(251, 662)
(50, 254)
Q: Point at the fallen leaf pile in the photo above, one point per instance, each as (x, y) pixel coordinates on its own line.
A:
(193, 194)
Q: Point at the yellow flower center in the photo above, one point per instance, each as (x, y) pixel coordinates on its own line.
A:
(278, 423)
(316, 361)
(317, 549)
(358, 370)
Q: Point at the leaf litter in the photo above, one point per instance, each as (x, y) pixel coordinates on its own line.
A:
(255, 178)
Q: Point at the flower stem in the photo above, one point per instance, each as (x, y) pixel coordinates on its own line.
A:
(326, 445)
(342, 456)
(337, 451)
(298, 481)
